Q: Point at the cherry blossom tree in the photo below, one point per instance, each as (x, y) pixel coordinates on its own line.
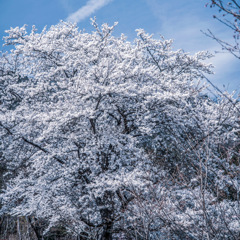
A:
(84, 118)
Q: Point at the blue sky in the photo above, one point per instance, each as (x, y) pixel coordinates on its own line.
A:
(180, 20)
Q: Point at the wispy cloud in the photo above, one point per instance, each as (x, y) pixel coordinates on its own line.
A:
(88, 9)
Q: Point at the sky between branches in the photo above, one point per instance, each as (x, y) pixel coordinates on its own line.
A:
(178, 20)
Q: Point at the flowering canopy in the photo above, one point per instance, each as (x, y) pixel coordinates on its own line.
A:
(84, 117)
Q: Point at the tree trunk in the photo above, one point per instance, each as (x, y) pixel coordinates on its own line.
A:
(107, 230)
(106, 206)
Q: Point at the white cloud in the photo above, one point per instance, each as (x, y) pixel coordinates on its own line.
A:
(85, 11)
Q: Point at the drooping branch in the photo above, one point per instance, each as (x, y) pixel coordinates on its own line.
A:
(32, 144)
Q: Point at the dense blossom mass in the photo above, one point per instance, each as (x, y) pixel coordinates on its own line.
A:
(106, 139)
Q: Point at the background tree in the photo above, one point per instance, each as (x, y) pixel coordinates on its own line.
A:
(229, 15)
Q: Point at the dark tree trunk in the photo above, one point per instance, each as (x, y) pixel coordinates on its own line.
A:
(106, 206)
(36, 228)
(107, 228)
